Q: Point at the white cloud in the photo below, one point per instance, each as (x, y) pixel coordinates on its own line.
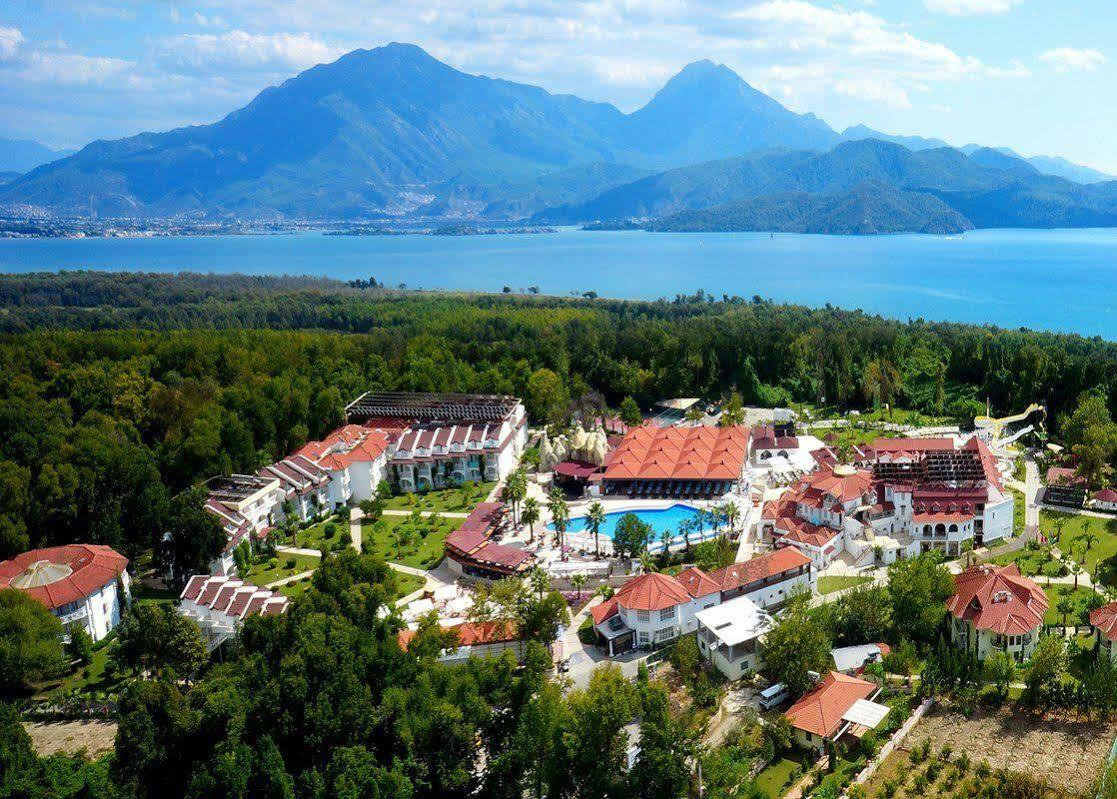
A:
(10, 41)
(1068, 59)
(960, 7)
(241, 51)
(73, 69)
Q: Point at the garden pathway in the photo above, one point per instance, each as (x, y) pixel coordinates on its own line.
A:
(294, 578)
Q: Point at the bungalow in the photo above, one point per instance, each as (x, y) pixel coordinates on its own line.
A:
(768, 580)
(1104, 622)
(996, 609)
(836, 705)
(729, 636)
(1106, 499)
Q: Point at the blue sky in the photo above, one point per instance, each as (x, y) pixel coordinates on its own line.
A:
(1036, 75)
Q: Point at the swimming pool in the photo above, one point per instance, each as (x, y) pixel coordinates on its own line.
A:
(660, 519)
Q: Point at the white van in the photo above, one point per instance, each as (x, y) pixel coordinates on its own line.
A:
(773, 696)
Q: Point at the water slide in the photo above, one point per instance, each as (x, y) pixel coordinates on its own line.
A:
(996, 426)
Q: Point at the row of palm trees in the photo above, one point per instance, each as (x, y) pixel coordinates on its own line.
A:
(727, 514)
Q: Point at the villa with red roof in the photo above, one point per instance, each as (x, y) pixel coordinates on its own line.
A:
(837, 705)
(475, 639)
(77, 583)
(677, 462)
(995, 608)
(1104, 622)
(654, 608)
(916, 495)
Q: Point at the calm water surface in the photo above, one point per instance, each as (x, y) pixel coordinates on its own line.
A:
(1058, 280)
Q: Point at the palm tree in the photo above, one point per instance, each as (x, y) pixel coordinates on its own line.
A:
(578, 580)
(685, 527)
(1064, 607)
(539, 581)
(1090, 538)
(530, 516)
(732, 512)
(595, 517)
(560, 515)
(1075, 569)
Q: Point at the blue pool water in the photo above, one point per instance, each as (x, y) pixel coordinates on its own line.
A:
(660, 519)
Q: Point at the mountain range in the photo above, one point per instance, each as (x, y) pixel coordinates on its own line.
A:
(21, 155)
(394, 134)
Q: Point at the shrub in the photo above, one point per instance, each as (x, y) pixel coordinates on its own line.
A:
(290, 563)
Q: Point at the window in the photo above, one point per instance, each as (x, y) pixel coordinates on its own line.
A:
(643, 615)
(642, 638)
(667, 614)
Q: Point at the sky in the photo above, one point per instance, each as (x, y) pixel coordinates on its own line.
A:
(1034, 75)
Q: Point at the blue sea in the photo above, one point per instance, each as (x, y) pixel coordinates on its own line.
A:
(1049, 279)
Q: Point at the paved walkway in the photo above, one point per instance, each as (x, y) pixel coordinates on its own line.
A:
(298, 551)
(449, 514)
(294, 578)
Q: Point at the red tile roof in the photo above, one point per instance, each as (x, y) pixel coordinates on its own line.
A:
(844, 483)
(606, 610)
(697, 583)
(821, 709)
(768, 565)
(679, 453)
(1062, 475)
(471, 633)
(1106, 495)
(476, 528)
(1105, 619)
(803, 532)
(998, 599)
(652, 591)
(57, 576)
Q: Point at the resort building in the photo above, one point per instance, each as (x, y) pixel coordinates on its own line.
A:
(220, 604)
(475, 639)
(1104, 622)
(84, 585)
(729, 636)
(837, 705)
(767, 580)
(677, 462)
(247, 507)
(471, 552)
(996, 609)
(305, 485)
(916, 495)
(445, 439)
(1063, 486)
(655, 608)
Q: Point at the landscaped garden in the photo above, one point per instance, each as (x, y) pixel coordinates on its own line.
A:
(1088, 540)
(446, 500)
(777, 777)
(411, 540)
(1080, 602)
(331, 533)
(1033, 560)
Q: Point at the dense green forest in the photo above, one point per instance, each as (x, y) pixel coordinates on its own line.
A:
(122, 390)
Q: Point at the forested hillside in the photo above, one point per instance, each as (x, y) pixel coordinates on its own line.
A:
(122, 390)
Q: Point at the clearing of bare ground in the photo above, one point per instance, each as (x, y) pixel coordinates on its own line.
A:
(1062, 751)
(69, 737)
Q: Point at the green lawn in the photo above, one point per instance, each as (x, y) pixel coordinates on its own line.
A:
(774, 780)
(1080, 600)
(828, 585)
(326, 534)
(1069, 532)
(455, 500)
(268, 570)
(401, 539)
(408, 583)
